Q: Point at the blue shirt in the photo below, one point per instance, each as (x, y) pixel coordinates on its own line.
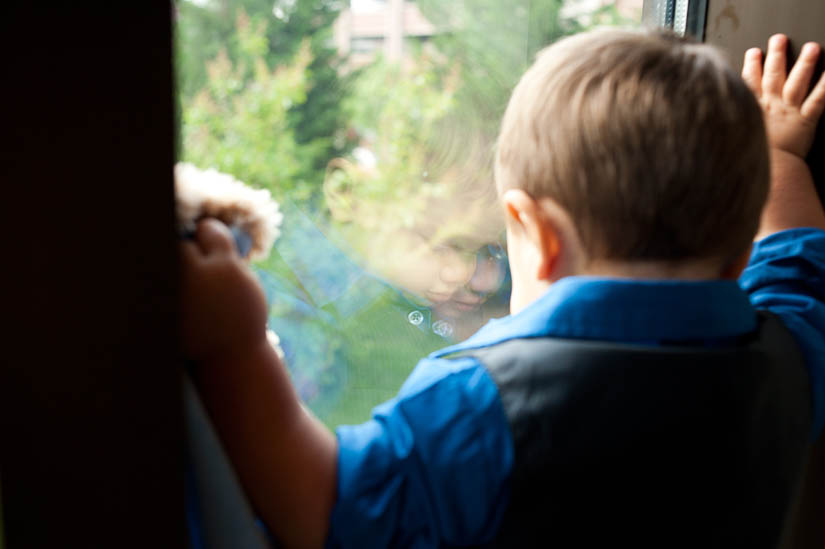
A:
(431, 468)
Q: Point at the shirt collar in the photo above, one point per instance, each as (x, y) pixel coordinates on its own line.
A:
(622, 310)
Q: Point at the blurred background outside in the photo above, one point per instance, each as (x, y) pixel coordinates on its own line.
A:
(372, 122)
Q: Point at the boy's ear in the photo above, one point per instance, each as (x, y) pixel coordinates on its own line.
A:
(535, 232)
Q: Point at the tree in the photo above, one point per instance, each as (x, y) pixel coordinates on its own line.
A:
(317, 123)
(239, 122)
(432, 121)
(491, 43)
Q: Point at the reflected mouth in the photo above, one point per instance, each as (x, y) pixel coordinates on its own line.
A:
(465, 306)
(463, 301)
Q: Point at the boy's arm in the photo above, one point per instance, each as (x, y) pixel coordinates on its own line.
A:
(791, 115)
(786, 272)
(285, 458)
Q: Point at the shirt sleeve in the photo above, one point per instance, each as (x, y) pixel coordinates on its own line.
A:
(786, 276)
(431, 466)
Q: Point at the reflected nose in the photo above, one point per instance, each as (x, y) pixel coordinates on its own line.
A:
(488, 276)
(457, 268)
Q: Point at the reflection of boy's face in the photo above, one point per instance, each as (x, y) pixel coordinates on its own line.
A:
(447, 256)
(454, 275)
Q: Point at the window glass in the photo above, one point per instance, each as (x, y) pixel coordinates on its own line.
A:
(366, 44)
(372, 122)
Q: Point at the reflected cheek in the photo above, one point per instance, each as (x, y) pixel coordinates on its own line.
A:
(415, 270)
(455, 269)
(488, 276)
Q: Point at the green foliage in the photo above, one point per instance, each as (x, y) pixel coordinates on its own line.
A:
(239, 122)
(491, 44)
(445, 105)
(397, 111)
(432, 122)
(208, 29)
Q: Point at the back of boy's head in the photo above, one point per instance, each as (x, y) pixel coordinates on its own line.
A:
(652, 144)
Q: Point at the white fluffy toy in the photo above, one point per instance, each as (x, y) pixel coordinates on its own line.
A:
(252, 215)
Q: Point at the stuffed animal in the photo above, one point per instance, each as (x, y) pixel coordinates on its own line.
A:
(252, 215)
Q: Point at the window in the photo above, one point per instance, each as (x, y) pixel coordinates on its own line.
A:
(366, 44)
(377, 143)
(683, 16)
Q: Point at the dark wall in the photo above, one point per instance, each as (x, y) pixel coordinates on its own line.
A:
(90, 446)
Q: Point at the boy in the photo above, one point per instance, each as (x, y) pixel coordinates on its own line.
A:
(633, 169)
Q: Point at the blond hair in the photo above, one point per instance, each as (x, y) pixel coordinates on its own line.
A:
(651, 143)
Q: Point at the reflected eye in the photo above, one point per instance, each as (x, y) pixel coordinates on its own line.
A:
(466, 254)
(493, 251)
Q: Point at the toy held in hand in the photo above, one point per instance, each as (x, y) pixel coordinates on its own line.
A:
(252, 215)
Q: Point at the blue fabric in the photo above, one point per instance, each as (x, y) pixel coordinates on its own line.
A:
(786, 275)
(626, 310)
(431, 467)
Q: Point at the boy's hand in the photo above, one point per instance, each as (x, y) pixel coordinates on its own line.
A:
(223, 309)
(284, 457)
(791, 113)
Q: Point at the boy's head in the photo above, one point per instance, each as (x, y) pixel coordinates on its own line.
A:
(640, 148)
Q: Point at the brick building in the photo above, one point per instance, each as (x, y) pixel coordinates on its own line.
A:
(371, 26)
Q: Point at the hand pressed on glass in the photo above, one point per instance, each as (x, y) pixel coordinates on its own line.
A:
(791, 114)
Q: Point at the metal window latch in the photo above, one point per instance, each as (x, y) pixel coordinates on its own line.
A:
(685, 17)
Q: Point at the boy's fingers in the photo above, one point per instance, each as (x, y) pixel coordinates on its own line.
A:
(213, 236)
(752, 70)
(189, 252)
(814, 105)
(796, 88)
(775, 65)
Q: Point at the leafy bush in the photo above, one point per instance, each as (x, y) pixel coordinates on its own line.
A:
(239, 123)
